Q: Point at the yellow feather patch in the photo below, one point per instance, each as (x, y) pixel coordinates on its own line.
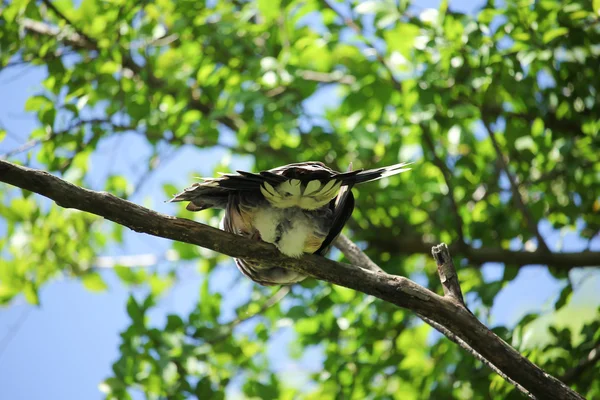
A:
(313, 243)
(290, 194)
(332, 192)
(268, 195)
(327, 186)
(269, 188)
(311, 187)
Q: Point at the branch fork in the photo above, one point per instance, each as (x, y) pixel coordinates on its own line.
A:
(447, 314)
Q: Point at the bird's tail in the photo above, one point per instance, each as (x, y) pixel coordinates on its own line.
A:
(356, 177)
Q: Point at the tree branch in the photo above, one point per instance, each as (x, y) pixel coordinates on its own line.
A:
(76, 40)
(452, 337)
(271, 301)
(323, 77)
(592, 358)
(446, 270)
(62, 16)
(72, 39)
(447, 174)
(447, 273)
(561, 261)
(354, 25)
(531, 223)
(355, 255)
(393, 289)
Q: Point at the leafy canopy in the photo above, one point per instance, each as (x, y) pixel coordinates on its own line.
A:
(498, 109)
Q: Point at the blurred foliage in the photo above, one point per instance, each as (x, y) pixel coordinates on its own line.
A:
(370, 82)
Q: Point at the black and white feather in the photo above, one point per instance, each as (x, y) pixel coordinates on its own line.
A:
(300, 208)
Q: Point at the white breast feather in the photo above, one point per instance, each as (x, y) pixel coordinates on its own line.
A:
(266, 221)
(292, 241)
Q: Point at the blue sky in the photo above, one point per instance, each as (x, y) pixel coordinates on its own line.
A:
(64, 348)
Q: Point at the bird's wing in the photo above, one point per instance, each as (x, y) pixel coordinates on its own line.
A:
(214, 192)
(309, 185)
(342, 206)
(275, 185)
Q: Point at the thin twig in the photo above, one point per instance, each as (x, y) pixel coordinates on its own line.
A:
(10, 335)
(70, 38)
(589, 361)
(531, 223)
(323, 77)
(52, 135)
(62, 16)
(447, 174)
(273, 300)
(355, 254)
(352, 24)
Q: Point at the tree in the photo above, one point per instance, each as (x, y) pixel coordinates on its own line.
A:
(498, 110)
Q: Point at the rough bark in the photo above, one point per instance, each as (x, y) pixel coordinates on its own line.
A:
(443, 311)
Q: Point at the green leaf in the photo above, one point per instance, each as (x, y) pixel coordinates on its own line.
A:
(31, 293)
(307, 326)
(136, 313)
(554, 33)
(510, 273)
(345, 294)
(402, 38)
(111, 385)
(159, 284)
(537, 128)
(170, 190)
(269, 9)
(203, 389)
(564, 297)
(186, 251)
(373, 6)
(94, 282)
(37, 103)
(109, 67)
(131, 276)
(118, 185)
(526, 143)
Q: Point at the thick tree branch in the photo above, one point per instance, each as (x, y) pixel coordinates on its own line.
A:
(442, 256)
(357, 257)
(394, 289)
(452, 337)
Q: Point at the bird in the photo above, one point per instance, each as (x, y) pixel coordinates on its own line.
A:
(300, 208)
